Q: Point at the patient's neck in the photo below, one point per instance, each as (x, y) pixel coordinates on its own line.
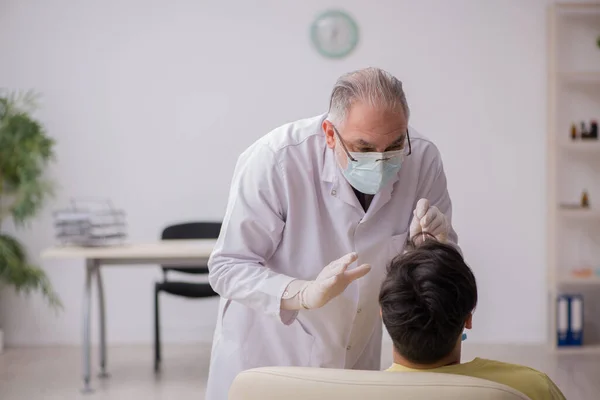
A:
(450, 359)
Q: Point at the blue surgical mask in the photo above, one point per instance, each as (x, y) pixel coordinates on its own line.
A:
(372, 171)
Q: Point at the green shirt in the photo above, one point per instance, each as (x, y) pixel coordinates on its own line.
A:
(532, 383)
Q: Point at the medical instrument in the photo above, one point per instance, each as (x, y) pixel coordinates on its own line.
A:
(418, 239)
(428, 218)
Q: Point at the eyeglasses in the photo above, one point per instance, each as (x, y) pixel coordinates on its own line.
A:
(353, 159)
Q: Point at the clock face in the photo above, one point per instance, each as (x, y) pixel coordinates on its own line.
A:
(334, 34)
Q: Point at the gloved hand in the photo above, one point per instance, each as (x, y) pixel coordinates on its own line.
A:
(429, 219)
(331, 282)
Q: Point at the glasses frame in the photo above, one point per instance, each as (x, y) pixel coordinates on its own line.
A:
(354, 159)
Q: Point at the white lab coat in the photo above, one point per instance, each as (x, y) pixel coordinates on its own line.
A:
(289, 214)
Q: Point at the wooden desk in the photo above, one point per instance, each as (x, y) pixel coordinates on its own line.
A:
(167, 252)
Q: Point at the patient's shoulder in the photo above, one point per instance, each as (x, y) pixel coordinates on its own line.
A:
(505, 369)
(535, 384)
(487, 363)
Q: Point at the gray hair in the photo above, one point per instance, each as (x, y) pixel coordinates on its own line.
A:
(373, 86)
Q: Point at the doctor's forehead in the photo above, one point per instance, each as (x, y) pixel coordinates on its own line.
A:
(366, 123)
(385, 141)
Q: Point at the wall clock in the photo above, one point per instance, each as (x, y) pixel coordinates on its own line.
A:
(334, 34)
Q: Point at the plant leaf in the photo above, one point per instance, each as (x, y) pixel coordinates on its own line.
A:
(25, 151)
(25, 277)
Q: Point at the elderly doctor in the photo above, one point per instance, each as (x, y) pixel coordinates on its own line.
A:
(317, 209)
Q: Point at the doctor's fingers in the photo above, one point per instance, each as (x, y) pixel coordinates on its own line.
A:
(341, 264)
(421, 208)
(433, 220)
(348, 258)
(415, 226)
(357, 272)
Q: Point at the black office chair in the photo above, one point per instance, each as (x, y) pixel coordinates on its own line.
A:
(194, 290)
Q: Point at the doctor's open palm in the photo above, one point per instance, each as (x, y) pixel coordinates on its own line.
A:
(332, 281)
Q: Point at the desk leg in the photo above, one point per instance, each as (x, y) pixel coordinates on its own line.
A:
(103, 373)
(90, 270)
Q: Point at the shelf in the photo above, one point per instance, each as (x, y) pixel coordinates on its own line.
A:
(572, 280)
(578, 9)
(585, 349)
(588, 77)
(582, 145)
(579, 213)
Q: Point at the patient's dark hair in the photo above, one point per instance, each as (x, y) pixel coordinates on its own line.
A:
(425, 299)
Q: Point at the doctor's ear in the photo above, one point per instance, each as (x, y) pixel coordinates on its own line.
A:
(329, 133)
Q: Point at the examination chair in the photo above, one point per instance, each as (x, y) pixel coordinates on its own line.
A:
(190, 290)
(294, 383)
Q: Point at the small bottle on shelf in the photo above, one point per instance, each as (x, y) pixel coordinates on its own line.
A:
(583, 133)
(583, 272)
(573, 131)
(594, 129)
(585, 201)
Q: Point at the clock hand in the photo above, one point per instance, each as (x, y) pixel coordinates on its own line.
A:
(334, 34)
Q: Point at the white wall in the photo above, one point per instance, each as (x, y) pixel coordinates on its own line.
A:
(152, 101)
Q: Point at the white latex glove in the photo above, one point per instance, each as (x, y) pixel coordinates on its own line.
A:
(331, 282)
(429, 219)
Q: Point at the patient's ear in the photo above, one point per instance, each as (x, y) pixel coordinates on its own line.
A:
(469, 322)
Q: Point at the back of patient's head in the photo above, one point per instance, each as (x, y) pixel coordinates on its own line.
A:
(427, 296)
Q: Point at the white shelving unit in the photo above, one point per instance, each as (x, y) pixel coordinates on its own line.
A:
(587, 349)
(571, 280)
(584, 77)
(572, 165)
(590, 147)
(578, 215)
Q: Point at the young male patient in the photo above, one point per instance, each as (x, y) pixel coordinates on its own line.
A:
(427, 300)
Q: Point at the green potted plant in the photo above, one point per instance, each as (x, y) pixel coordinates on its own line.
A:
(25, 151)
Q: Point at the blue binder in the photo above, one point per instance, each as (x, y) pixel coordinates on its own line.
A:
(569, 320)
(575, 320)
(562, 320)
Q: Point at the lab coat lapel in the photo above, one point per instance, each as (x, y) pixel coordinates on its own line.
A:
(381, 198)
(345, 192)
(340, 188)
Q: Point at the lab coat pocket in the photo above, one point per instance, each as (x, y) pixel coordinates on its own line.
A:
(305, 342)
(269, 344)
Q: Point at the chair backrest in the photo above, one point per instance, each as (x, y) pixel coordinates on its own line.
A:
(296, 383)
(191, 230)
